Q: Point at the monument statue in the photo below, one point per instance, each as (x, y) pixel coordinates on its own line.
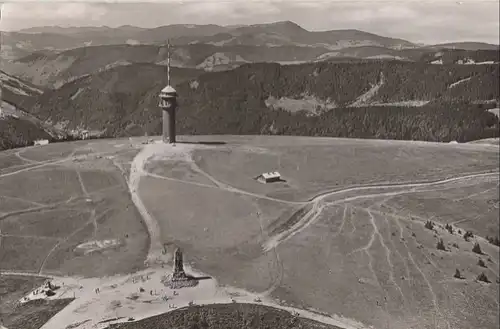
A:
(178, 265)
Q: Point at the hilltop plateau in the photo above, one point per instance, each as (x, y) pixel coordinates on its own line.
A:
(358, 233)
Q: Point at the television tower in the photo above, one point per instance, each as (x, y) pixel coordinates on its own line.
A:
(168, 104)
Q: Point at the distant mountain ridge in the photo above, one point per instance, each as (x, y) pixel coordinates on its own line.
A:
(466, 46)
(54, 29)
(282, 31)
(273, 34)
(53, 70)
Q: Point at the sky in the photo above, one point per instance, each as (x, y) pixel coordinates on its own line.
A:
(420, 21)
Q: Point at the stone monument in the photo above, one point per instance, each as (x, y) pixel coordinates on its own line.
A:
(179, 273)
(179, 279)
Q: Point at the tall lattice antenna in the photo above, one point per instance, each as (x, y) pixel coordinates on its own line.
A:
(168, 62)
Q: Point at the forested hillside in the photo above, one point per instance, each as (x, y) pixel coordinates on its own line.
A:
(16, 91)
(370, 100)
(18, 128)
(17, 132)
(114, 100)
(53, 70)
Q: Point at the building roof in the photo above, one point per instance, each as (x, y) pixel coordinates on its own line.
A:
(168, 90)
(272, 174)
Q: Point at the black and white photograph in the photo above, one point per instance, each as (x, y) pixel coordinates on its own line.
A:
(249, 164)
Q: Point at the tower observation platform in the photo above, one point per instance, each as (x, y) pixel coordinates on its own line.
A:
(168, 104)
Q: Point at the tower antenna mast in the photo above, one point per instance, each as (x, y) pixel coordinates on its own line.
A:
(168, 62)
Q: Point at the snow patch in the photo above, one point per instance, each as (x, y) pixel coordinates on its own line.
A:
(114, 64)
(459, 82)
(486, 63)
(9, 110)
(412, 103)
(16, 90)
(365, 98)
(194, 84)
(311, 104)
(220, 59)
(328, 55)
(75, 95)
(292, 62)
(351, 43)
(17, 86)
(93, 246)
(495, 111)
(222, 42)
(385, 56)
(215, 59)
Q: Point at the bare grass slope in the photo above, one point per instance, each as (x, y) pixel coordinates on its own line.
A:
(359, 234)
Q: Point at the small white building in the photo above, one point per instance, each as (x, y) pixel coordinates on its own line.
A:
(41, 142)
(85, 134)
(495, 111)
(269, 177)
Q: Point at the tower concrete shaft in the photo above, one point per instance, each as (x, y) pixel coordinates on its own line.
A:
(169, 125)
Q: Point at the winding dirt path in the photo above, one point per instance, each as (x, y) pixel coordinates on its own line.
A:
(319, 201)
(136, 172)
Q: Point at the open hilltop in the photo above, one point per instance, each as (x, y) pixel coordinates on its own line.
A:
(358, 234)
